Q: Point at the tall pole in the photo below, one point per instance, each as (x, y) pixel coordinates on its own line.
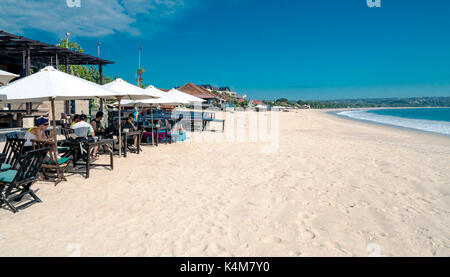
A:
(28, 73)
(100, 72)
(139, 68)
(52, 101)
(67, 102)
(140, 49)
(120, 128)
(67, 40)
(153, 134)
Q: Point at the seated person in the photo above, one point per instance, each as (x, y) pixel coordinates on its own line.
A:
(76, 119)
(97, 123)
(129, 124)
(36, 133)
(64, 120)
(164, 123)
(139, 116)
(178, 133)
(91, 133)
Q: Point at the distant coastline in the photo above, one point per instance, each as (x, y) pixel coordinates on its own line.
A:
(412, 102)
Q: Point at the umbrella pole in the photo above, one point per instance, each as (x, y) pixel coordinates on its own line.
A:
(153, 136)
(120, 130)
(54, 119)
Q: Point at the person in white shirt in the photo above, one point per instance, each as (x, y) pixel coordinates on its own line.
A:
(82, 123)
(91, 133)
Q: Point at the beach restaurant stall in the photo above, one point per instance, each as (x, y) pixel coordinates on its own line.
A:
(164, 100)
(21, 56)
(51, 84)
(131, 92)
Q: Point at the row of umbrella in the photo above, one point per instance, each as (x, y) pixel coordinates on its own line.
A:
(53, 85)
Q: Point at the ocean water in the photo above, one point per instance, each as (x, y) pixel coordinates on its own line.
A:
(435, 120)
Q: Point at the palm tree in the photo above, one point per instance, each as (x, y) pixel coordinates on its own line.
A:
(139, 78)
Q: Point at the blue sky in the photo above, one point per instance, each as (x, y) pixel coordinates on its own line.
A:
(303, 49)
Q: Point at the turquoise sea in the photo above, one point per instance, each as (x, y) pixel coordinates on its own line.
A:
(435, 120)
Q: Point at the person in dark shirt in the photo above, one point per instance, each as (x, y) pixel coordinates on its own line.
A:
(96, 123)
(129, 125)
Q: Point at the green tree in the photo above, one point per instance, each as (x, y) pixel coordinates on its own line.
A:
(139, 78)
(244, 104)
(90, 73)
(282, 100)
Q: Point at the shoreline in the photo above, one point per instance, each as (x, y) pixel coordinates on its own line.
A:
(336, 111)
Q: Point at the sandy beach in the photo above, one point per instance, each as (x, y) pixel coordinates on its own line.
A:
(332, 187)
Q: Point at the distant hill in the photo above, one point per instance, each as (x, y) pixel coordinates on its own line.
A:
(371, 103)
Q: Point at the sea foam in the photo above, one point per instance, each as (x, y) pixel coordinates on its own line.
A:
(440, 127)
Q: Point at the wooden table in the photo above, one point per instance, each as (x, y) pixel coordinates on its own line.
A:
(125, 136)
(207, 120)
(75, 145)
(157, 129)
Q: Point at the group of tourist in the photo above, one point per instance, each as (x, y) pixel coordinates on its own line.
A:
(95, 128)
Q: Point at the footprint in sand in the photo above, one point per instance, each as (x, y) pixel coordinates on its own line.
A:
(271, 239)
(295, 253)
(245, 246)
(307, 234)
(325, 203)
(216, 248)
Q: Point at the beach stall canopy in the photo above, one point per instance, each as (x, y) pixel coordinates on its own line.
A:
(131, 91)
(6, 77)
(165, 100)
(154, 90)
(185, 97)
(50, 84)
(150, 102)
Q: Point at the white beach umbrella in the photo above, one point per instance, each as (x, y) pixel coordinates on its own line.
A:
(6, 77)
(131, 91)
(125, 102)
(181, 96)
(128, 91)
(165, 100)
(51, 84)
(261, 107)
(149, 102)
(153, 90)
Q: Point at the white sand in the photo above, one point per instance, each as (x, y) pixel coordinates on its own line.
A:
(334, 187)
